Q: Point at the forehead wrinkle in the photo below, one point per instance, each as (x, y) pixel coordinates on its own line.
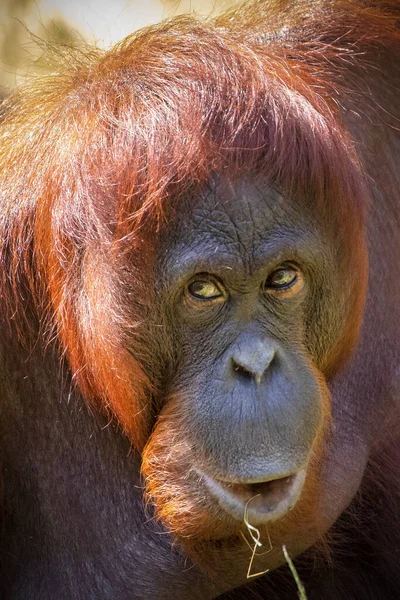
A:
(237, 216)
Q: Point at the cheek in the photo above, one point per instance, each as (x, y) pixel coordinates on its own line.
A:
(333, 326)
(172, 484)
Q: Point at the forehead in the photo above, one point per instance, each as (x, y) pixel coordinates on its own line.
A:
(237, 212)
(233, 224)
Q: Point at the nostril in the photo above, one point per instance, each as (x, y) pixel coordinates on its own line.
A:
(242, 372)
(251, 361)
(246, 374)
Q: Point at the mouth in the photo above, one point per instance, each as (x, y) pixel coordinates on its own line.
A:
(261, 502)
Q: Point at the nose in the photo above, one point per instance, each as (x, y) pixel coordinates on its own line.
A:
(251, 358)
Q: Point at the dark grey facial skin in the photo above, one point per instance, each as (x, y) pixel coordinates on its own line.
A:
(243, 363)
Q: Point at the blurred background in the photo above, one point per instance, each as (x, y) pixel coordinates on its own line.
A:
(25, 23)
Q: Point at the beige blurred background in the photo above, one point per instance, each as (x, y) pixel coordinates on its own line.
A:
(23, 23)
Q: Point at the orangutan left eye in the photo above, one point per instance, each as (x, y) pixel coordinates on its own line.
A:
(281, 278)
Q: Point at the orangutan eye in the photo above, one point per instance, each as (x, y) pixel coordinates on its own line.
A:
(205, 290)
(283, 279)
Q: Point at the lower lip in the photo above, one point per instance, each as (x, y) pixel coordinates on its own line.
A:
(263, 502)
